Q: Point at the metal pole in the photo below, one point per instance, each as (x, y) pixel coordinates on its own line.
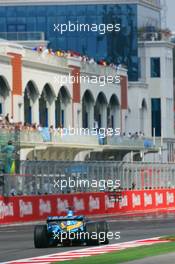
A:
(154, 136)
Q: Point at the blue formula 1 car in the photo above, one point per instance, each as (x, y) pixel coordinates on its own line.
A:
(70, 230)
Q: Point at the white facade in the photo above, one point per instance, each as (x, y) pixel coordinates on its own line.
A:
(41, 85)
(159, 87)
(46, 78)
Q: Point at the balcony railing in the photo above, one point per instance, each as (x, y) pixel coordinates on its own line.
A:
(154, 36)
(35, 56)
(37, 137)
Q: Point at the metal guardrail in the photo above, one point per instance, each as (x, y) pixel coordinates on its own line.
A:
(53, 177)
(142, 176)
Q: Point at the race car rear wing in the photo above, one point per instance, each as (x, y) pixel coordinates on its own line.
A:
(64, 218)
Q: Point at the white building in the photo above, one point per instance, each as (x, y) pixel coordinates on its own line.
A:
(33, 89)
(31, 81)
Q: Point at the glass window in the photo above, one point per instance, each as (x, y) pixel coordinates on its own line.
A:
(31, 24)
(102, 47)
(82, 45)
(11, 20)
(72, 19)
(30, 10)
(155, 67)
(3, 11)
(41, 24)
(10, 11)
(21, 20)
(51, 10)
(41, 10)
(156, 116)
(61, 19)
(73, 41)
(21, 28)
(50, 26)
(92, 46)
(62, 43)
(11, 28)
(3, 26)
(0, 108)
(91, 10)
(91, 20)
(21, 11)
(81, 10)
(61, 10)
(115, 47)
(139, 67)
(71, 10)
(101, 10)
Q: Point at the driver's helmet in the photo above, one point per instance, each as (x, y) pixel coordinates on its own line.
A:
(70, 212)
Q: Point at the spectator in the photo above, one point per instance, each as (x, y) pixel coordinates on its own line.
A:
(133, 186)
(9, 162)
(11, 120)
(129, 135)
(7, 119)
(136, 135)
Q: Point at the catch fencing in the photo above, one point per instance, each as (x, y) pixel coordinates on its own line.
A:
(59, 177)
(56, 177)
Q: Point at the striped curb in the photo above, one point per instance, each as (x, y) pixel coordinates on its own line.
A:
(92, 251)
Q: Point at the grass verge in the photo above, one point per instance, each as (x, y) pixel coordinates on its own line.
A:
(126, 255)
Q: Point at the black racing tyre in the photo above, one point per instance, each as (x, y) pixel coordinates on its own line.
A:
(104, 228)
(92, 234)
(40, 236)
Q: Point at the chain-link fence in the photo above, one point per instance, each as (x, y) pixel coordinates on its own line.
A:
(55, 177)
(147, 176)
(52, 177)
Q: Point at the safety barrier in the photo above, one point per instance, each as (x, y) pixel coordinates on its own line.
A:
(142, 176)
(57, 177)
(35, 208)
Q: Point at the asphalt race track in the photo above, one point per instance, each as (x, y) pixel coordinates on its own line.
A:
(17, 242)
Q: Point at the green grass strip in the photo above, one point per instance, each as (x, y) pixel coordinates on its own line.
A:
(126, 255)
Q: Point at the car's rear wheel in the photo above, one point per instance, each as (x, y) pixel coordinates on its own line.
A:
(93, 234)
(40, 236)
(103, 228)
